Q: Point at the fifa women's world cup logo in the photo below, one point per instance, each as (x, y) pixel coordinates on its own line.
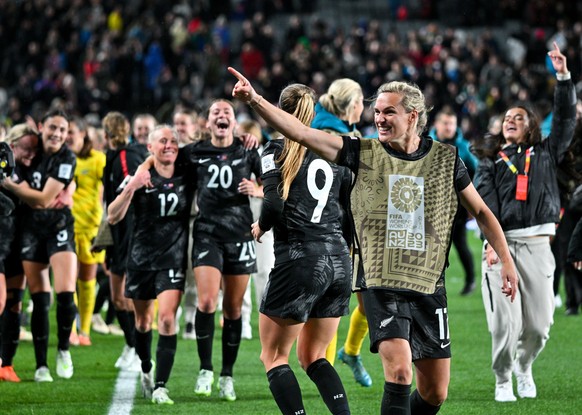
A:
(405, 224)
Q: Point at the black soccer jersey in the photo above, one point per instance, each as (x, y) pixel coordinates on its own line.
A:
(224, 212)
(59, 166)
(310, 222)
(159, 238)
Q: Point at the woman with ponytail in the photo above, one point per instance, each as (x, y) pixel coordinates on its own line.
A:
(309, 287)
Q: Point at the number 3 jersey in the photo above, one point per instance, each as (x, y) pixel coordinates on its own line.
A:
(309, 222)
(224, 212)
(159, 239)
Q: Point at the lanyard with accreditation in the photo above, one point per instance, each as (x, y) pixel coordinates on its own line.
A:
(521, 188)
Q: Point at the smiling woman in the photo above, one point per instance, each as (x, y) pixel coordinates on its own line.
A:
(48, 238)
(157, 254)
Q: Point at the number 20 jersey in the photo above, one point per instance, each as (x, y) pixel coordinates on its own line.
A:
(224, 212)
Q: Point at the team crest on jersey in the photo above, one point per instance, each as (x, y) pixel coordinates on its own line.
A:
(167, 186)
(223, 157)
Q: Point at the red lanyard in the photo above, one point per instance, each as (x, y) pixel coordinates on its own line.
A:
(512, 166)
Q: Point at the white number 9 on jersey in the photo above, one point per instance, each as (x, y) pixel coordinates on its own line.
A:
(321, 195)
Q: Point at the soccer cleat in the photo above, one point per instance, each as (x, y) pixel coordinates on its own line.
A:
(160, 397)
(98, 325)
(84, 340)
(64, 364)
(147, 382)
(247, 331)
(204, 382)
(358, 369)
(126, 359)
(43, 374)
(25, 335)
(226, 388)
(189, 332)
(504, 392)
(74, 339)
(8, 374)
(526, 387)
(115, 330)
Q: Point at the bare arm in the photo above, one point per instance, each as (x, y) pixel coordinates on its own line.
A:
(326, 145)
(491, 228)
(35, 198)
(118, 208)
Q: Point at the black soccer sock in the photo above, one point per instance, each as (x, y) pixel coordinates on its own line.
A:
(285, 389)
(165, 358)
(204, 326)
(11, 325)
(66, 313)
(231, 333)
(39, 325)
(143, 348)
(396, 399)
(102, 295)
(419, 406)
(127, 323)
(330, 386)
(111, 313)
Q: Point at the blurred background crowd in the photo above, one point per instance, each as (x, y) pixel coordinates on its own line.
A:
(94, 56)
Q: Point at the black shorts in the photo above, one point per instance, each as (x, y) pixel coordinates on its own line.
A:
(420, 319)
(11, 266)
(147, 285)
(47, 233)
(309, 287)
(230, 258)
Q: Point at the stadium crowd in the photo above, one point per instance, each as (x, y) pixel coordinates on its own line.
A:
(86, 77)
(92, 57)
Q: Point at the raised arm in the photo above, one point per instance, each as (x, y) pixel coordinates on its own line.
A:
(118, 208)
(326, 145)
(564, 111)
(491, 228)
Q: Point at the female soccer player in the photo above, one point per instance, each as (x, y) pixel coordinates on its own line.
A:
(87, 211)
(157, 254)
(48, 238)
(309, 288)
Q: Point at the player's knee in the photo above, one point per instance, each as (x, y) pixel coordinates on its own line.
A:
(436, 396)
(166, 323)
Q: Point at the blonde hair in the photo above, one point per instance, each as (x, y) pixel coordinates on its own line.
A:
(341, 96)
(412, 99)
(116, 128)
(251, 127)
(18, 131)
(298, 100)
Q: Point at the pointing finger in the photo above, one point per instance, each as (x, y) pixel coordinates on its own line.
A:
(238, 75)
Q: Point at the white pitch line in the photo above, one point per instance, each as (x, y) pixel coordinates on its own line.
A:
(122, 402)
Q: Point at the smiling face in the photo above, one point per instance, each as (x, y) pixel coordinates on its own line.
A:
(394, 124)
(25, 149)
(221, 121)
(142, 126)
(515, 125)
(164, 146)
(54, 131)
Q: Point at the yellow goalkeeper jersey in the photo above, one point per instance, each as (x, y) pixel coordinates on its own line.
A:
(87, 204)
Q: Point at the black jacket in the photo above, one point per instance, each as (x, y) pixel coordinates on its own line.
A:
(575, 246)
(497, 183)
